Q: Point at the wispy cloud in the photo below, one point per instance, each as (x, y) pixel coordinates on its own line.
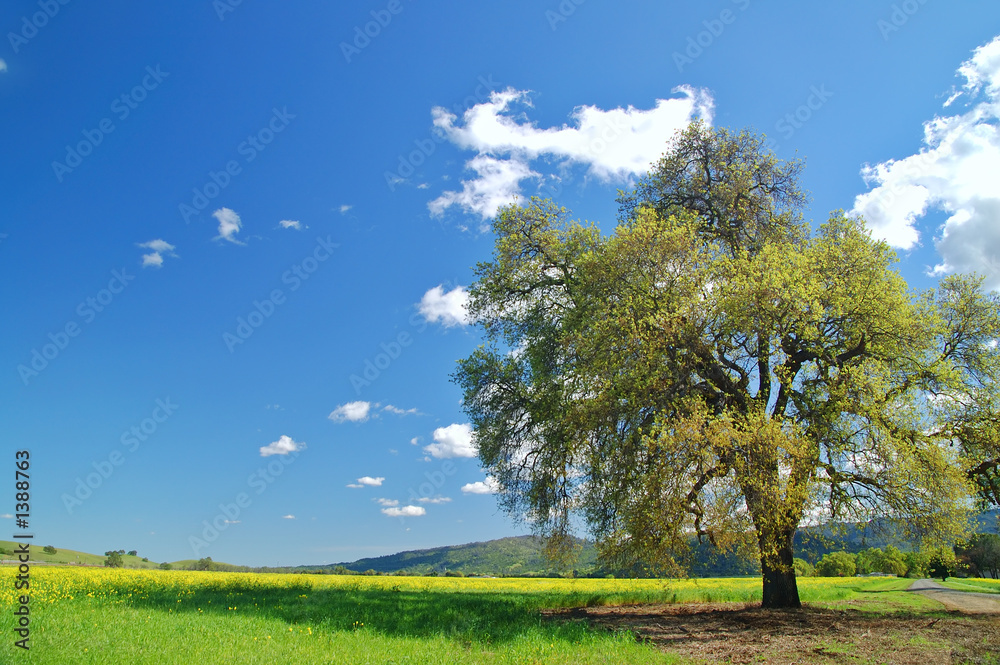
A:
(405, 511)
(367, 481)
(488, 486)
(344, 208)
(289, 224)
(288, 517)
(400, 412)
(388, 503)
(155, 257)
(282, 446)
(434, 499)
(3, 65)
(229, 225)
(450, 308)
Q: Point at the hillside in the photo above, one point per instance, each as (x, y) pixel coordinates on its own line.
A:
(71, 556)
(519, 555)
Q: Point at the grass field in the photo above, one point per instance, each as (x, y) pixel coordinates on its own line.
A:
(103, 616)
(74, 557)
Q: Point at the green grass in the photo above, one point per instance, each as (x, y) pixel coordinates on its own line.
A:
(974, 584)
(72, 556)
(104, 616)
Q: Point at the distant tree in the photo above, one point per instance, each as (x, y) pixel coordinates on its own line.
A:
(370, 571)
(133, 553)
(942, 563)
(165, 566)
(4, 551)
(145, 559)
(48, 549)
(114, 560)
(981, 554)
(803, 568)
(836, 564)
(204, 564)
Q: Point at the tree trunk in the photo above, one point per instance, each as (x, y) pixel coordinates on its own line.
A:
(780, 590)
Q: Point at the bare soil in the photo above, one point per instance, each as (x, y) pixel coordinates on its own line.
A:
(741, 633)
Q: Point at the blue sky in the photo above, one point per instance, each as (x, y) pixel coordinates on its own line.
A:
(218, 217)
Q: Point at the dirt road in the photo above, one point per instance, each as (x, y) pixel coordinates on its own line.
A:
(967, 602)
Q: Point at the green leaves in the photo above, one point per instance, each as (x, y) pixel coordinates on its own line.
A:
(713, 369)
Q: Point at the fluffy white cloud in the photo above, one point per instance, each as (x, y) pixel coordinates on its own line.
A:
(155, 257)
(344, 208)
(488, 486)
(612, 144)
(229, 225)
(355, 412)
(453, 441)
(290, 224)
(388, 503)
(955, 172)
(367, 481)
(449, 308)
(282, 446)
(288, 517)
(405, 511)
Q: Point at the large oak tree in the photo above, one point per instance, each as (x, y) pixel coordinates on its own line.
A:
(714, 369)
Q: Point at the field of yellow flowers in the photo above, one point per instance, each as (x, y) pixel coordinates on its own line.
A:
(106, 616)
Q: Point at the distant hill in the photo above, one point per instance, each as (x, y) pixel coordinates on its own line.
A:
(70, 556)
(522, 555)
(518, 555)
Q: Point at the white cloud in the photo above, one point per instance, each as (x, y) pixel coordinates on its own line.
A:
(3, 65)
(344, 208)
(415, 440)
(367, 481)
(7, 516)
(232, 521)
(155, 257)
(388, 503)
(488, 486)
(434, 499)
(405, 511)
(229, 225)
(288, 517)
(282, 446)
(453, 441)
(954, 172)
(289, 224)
(400, 412)
(450, 308)
(355, 412)
(496, 184)
(613, 145)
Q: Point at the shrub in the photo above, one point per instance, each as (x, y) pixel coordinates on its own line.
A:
(836, 564)
(803, 568)
(48, 549)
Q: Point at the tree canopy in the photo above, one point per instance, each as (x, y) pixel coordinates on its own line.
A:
(713, 368)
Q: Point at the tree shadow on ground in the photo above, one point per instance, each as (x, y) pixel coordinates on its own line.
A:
(738, 633)
(476, 616)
